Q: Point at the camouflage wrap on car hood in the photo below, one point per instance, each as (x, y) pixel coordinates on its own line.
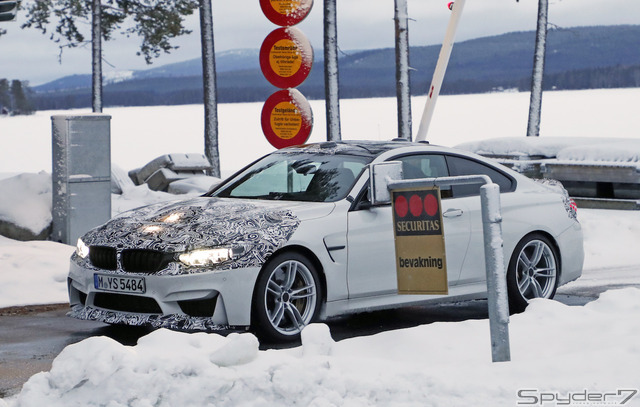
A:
(259, 228)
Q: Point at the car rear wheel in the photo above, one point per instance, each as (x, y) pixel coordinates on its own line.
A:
(287, 297)
(533, 271)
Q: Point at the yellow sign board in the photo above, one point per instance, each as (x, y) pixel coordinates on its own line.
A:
(419, 239)
(286, 120)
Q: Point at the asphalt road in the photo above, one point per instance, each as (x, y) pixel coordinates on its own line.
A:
(31, 337)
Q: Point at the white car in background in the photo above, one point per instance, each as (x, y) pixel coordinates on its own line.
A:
(293, 238)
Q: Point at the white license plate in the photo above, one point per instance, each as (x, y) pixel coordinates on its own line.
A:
(119, 284)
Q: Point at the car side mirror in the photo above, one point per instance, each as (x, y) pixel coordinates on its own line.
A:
(380, 176)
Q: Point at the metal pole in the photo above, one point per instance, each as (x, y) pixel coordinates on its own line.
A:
(403, 90)
(96, 56)
(332, 100)
(496, 276)
(441, 68)
(210, 90)
(535, 104)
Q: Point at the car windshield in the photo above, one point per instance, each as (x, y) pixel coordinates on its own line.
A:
(296, 177)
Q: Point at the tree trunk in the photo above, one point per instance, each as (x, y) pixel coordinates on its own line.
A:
(332, 99)
(210, 90)
(535, 104)
(96, 54)
(403, 91)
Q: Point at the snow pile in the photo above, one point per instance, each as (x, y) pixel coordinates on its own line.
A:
(25, 200)
(570, 148)
(554, 349)
(33, 272)
(612, 150)
(519, 146)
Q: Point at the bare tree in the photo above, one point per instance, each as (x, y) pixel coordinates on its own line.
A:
(210, 91)
(157, 22)
(403, 89)
(96, 57)
(535, 104)
(331, 90)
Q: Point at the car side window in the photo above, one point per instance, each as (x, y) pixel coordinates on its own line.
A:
(464, 166)
(426, 166)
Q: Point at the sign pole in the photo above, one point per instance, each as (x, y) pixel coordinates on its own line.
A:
(441, 68)
(496, 281)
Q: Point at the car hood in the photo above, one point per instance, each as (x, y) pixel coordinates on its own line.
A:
(207, 222)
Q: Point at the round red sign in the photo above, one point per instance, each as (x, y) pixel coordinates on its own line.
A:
(286, 13)
(286, 57)
(286, 118)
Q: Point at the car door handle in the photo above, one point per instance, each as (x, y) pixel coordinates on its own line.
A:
(452, 213)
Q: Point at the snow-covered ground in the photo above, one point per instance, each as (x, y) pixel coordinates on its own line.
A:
(561, 355)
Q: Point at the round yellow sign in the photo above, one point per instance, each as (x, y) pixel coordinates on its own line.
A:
(284, 58)
(286, 120)
(285, 7)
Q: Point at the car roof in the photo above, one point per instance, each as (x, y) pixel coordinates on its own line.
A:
(370, 148)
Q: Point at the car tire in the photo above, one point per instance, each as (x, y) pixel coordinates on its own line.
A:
(287, 297)
(533, 272)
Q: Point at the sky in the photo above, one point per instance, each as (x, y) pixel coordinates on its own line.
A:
(362, 24)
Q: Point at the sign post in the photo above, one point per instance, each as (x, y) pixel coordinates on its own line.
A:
(286, 57)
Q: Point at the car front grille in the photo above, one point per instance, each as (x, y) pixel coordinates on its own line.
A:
(103, 257)
(144, 261)
(127, 303)
(132, 260)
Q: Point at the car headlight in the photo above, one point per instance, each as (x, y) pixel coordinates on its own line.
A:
(210, 257)
(82, 249)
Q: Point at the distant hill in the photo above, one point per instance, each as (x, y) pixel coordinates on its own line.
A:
(577, 58)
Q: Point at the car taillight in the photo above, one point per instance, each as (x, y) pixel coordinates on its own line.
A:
(571, 207)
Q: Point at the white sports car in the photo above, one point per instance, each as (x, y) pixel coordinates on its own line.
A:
(294, 238)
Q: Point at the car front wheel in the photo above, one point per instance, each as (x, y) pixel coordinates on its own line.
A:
(533, 271)
(287, 297)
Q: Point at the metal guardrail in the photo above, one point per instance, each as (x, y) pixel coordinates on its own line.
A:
(592, 184)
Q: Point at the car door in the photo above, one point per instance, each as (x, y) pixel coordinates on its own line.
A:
(370, 241)
(473, 269)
